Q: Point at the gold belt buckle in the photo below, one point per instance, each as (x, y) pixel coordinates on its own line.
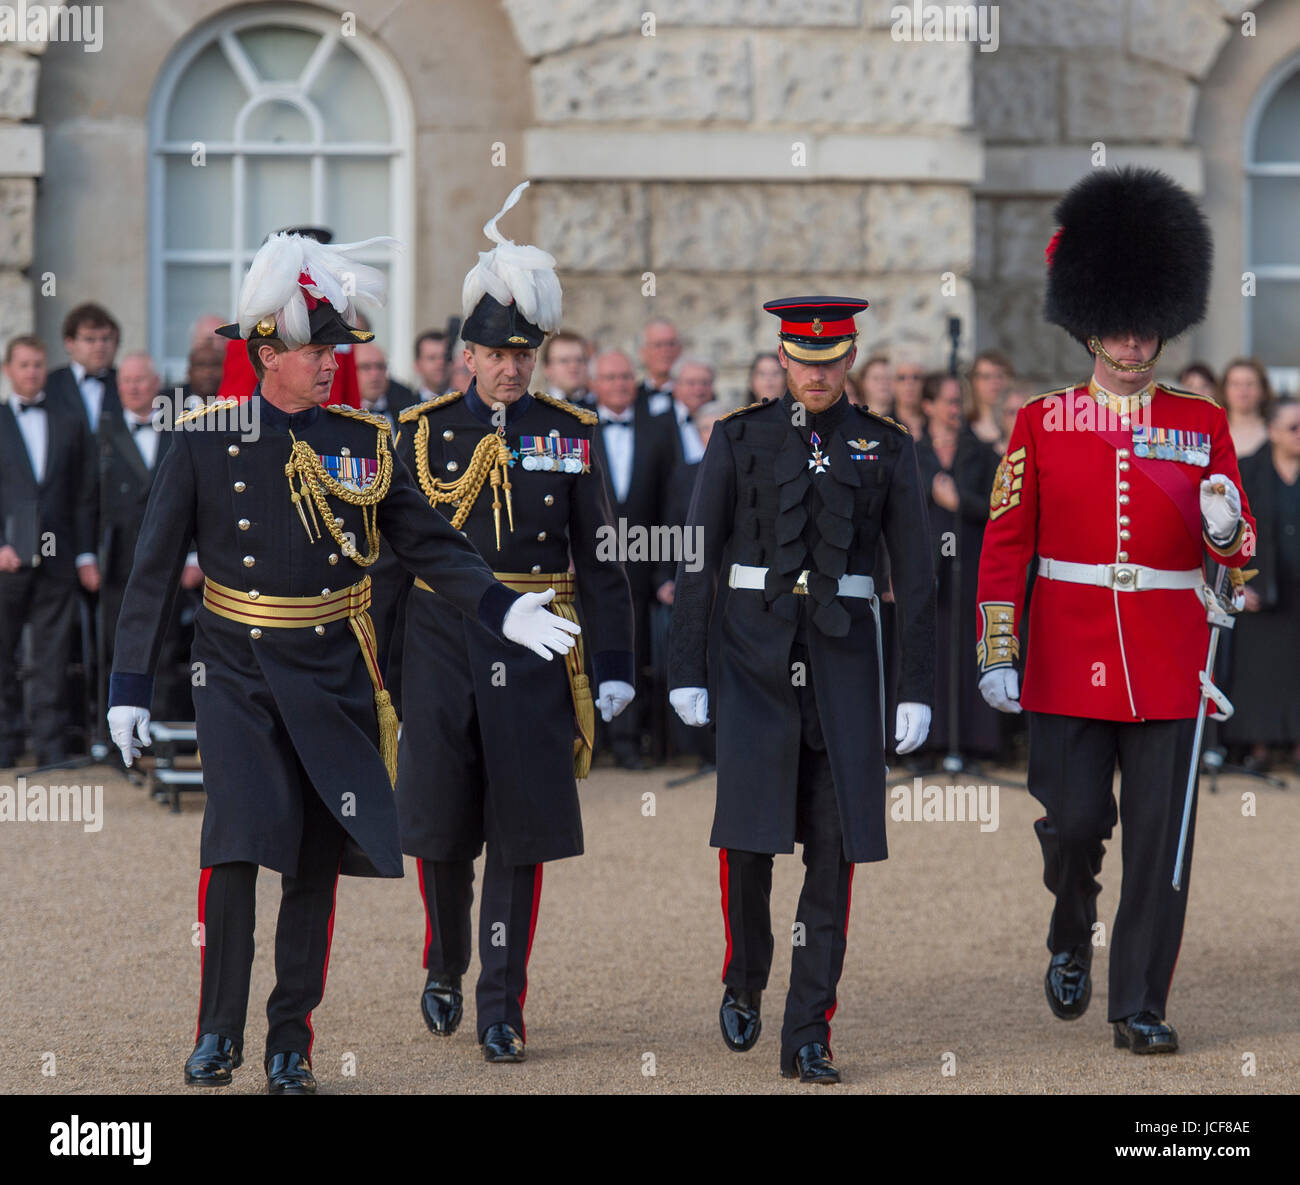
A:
(801, 585)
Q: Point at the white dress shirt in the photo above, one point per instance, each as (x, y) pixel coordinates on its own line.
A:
(619, 434)
(692, 445)
(34, 425)
(146, 439)
(92, 393)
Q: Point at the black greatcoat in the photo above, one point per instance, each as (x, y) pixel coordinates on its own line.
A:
(292, 703)
(488, 728)
(757, 502)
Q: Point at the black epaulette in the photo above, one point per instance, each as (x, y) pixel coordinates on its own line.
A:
(1170, 389)
(875, 415)
(416, 410)
(215, 405)
(587, 417)
(743, 408)
(355, 413)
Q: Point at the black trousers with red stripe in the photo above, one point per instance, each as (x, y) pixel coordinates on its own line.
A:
(228, 912)
(1072, 763)
(820, 935)
(506, 924)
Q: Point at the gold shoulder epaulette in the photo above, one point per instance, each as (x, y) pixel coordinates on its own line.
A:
(875, 415)
(587, 417)
(355, 413)
(215, 405)
(416, 410)
(1170, 389)
(742, 409)
(1049, 394)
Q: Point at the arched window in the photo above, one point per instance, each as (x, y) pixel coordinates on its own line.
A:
(264, 119)
(1272, 224)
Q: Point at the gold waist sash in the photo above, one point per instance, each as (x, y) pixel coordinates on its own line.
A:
(347, 604)
(575, 662)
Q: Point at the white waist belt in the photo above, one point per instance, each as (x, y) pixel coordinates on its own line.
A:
(1122, 577)
(746, 576)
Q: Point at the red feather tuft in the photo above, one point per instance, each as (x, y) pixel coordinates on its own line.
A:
(1050, 249)
(303, 280)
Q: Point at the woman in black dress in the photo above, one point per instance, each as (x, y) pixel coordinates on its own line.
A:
(956, 528)
(1265, 661)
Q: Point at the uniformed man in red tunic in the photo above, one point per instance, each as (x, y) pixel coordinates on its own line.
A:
(1113, 489)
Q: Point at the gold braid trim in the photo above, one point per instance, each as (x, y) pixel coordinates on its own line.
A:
(407, 414)
(581, 413)
(490, 460)
(315, 483)
(366, 417)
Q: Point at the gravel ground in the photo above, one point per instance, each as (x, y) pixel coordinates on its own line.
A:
(942, 989)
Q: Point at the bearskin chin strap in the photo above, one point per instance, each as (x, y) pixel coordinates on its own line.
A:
(1094, 344)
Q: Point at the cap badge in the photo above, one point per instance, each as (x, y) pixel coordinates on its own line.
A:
(817, 326)
(515, 339)
(266, 326)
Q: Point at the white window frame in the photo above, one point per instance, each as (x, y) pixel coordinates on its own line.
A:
(398, 148)
(1281, 377)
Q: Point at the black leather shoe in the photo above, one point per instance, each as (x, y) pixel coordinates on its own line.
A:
(1145, 1033)
(213, 1060)
(442, 1004)
(289, 1073)
(812, 1064)
(502, 1044)
(740, 1020)
(1068, 984)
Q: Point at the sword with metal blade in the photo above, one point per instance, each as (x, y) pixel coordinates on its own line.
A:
(1219, 613)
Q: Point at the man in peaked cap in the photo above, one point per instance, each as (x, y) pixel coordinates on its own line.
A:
(493, 740)
(296, 729)
(797, 493)
(1114, 487)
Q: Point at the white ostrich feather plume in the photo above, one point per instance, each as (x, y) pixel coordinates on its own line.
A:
(514, 272)
(271, 288)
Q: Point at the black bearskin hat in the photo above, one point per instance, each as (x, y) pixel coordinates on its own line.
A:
(1133, 254)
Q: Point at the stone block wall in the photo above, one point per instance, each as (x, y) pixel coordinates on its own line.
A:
(1123, 74)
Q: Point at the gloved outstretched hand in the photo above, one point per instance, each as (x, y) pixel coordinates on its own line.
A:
(531, 624)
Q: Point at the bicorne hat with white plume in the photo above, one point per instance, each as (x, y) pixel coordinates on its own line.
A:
(511, 297)
(301, 291)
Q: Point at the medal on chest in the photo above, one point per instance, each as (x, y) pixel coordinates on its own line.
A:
(819, 460)
(555, 453)
(1171, 444)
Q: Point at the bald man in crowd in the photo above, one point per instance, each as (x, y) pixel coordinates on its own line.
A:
(638, 455)
(132, 444)
(660, 349)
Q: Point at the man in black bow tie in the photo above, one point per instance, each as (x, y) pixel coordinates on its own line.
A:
(797, 492)
(88, 384)
(637, 457)
(47, 532)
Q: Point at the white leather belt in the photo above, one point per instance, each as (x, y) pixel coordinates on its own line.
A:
(1121, 577)
(746, 576)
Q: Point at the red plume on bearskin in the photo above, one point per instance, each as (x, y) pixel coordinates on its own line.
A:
(1133, 254)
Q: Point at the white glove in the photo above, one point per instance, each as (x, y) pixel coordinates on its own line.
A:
(912, 726)
(1221, 512)
(531, 624)
(691, 704)
(612, 697)
(129, 728)
(1001, 689)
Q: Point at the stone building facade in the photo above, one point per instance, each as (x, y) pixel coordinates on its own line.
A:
(689, 159)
